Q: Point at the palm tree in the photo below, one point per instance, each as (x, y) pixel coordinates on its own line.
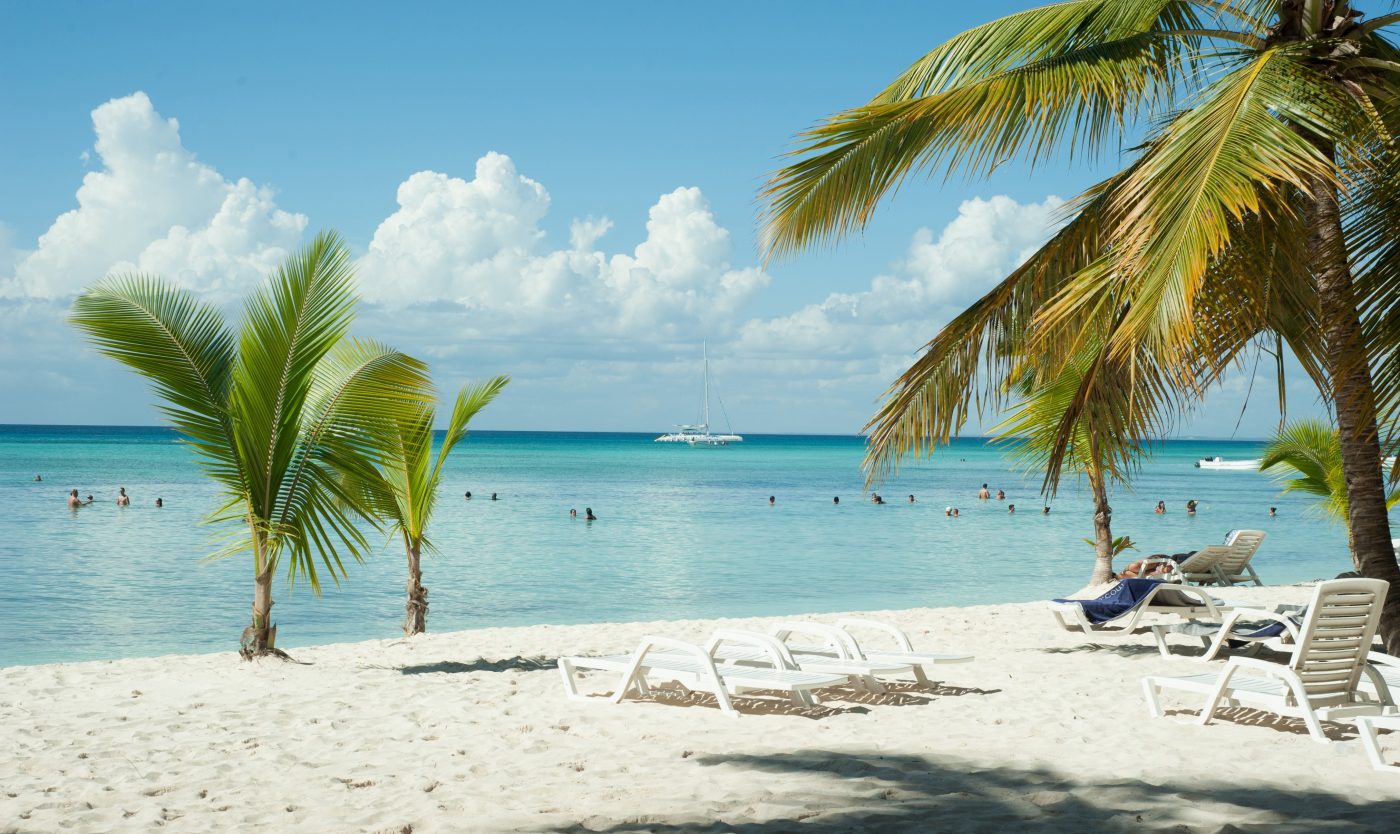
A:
(406, 491)
(282, 416)
(1102, 446)
(1259, 208)
(1311, 452)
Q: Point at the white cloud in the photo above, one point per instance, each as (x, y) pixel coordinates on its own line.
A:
(154, 207)
(477, 245)
(936, 278)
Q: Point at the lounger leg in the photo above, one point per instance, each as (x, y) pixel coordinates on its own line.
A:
(1159, 633)
(1221, 687)
(871, 684)
(1372, 742)
(1154, 705)
(570, 686)
(1309, 715)
(920, 678)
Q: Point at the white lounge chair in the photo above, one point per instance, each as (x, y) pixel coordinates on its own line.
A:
(695, 667)
(1164, 598)
(833, 653)
(1234, 567)
(1215, 564)
(1277, 629)
(838, 644)
(1323, 678)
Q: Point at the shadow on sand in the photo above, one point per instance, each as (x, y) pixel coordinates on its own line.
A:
(897, 793)
(481, 664)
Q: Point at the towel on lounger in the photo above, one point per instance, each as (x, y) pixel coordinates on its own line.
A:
(1118, 600)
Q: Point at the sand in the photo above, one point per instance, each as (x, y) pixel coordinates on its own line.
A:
(470, 731)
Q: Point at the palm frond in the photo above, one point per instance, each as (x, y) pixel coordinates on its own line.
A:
(183, 348)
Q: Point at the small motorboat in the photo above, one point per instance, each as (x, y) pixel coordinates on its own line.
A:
(1218, 462)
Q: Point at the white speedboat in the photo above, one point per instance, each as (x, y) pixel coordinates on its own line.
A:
(1218, 462)
(698, 435)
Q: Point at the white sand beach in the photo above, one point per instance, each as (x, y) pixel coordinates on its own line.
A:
(471, 731)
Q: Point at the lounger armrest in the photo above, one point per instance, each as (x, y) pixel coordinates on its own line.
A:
(1152, 561)
(777, 653)
(839, 641)
(900, 638)
(1207, 601)
(1268, 668)
(1383, 692)
(1227, 628)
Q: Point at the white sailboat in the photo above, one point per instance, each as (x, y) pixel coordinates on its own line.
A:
(698, 435)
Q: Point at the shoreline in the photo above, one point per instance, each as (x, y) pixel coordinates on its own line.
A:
(470, 730)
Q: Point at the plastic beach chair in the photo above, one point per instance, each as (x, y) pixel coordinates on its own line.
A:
(696, 668)
(1323, 679)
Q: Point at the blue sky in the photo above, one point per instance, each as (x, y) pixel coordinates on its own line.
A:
(563, 192)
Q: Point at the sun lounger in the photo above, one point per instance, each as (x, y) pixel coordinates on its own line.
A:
(839, 641)
(1241, 628)
(695, 668)
(1323, 677)
(1122, 607)
(1216, 564)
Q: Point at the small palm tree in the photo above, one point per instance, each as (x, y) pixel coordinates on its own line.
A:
(282, 416)
(1101, 443)
(406, 490)
(1311, 452)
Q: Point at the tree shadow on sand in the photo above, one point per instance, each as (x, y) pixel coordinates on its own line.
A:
(843, 792)
(518, 663)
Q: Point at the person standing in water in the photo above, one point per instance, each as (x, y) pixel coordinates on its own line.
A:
(73, 500)
(983, 494)
(836, 499)
(771, 500)
(1161, 508)
(588, 514)
(911, 499)
(1191, 507)
(467, 496)
(1001, 495)
(159, 503)
(123, 500)
(1011, 508)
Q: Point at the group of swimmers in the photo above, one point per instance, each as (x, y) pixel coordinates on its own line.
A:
(123, 500)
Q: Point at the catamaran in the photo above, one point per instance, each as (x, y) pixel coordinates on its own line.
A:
(697, 435)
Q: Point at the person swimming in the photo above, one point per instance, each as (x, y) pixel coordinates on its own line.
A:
(74, 500)
(836, 499)
(771, 500)
(1191, 507)
(878, 499)
(948, 511)
(468, 496)
(493, 496)
(588, 514)
(573, 513)
(1001, 495)
(1011, 508)
(1273, 511)
(38, 478)
(956, 513)
(983, 493)
(123, 499)
(1045, 510)
(159, 503)
(1161, 508)
(911, 499)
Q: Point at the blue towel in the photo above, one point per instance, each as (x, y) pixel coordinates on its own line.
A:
(1117, 601)
(1257, 631)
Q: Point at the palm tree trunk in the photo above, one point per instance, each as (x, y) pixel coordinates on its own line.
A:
(417, 607)
(1354, 399)
(1103, 531)
(260, 637)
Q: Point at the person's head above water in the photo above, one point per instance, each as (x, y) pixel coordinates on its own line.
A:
(836, 499)
(771, 499)
(1011, 508)
(160, 503)
(468, 495)
(911, 499)
(588, 514)
(1045, 511)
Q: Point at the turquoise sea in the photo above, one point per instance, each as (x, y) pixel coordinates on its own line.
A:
(681, 533)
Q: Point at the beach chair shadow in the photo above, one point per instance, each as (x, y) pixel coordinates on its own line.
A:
(518, 663)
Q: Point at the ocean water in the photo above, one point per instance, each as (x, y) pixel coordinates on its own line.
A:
(681, 533)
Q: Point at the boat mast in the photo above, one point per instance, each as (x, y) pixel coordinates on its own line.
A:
(705, 350)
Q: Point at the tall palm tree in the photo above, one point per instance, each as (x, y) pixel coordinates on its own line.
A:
(282, 416)
(1307, 455)
(406, 490)
(1260, 206)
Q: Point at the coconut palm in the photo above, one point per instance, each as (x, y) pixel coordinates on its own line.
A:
(1307, 456)
(1258, 207)
(1102, 446)
(283, 416)
(406, 490)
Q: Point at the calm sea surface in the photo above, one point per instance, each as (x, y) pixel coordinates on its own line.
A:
(682, 533)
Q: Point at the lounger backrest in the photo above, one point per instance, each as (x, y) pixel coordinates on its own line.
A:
(1336, 635)
(1203, 560)
(1241, 546)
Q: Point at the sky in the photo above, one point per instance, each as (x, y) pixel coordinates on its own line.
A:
(562, 192)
